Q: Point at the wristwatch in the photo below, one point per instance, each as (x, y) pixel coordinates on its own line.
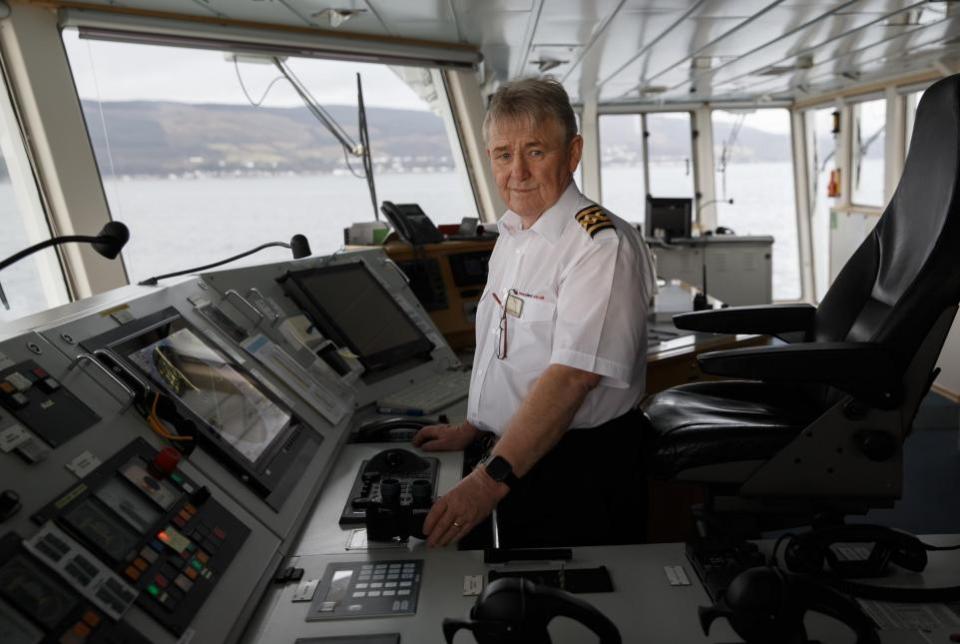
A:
(501, 471)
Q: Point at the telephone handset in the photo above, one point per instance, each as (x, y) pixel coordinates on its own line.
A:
(411, 223)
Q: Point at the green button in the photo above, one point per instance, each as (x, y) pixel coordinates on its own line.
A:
(153, 590)
(176, 478)
(196, 564)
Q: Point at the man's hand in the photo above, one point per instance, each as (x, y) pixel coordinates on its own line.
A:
(458, 511)
(445, 438)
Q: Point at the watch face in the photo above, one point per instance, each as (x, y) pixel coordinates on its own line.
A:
(499, 469)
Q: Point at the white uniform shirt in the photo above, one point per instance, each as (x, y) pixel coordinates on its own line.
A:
(582, 302)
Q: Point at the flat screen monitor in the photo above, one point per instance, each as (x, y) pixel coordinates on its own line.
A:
(351, 308)
(672, 215)
(230, 403)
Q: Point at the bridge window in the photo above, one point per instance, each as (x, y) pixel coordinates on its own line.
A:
(204, 154)
(35, 283)
(669, 156)
(621, 165)
(754, 168)
(867, 152)
(825, 186)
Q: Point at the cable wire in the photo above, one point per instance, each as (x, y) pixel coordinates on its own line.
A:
(243, 87)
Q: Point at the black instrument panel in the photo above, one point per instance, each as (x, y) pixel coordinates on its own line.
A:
(163, 536)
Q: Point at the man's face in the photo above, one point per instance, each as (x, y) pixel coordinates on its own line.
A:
(532, 164)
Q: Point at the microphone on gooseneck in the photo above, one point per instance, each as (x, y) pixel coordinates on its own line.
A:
(300, 247)
(113, 236)
(108, 242)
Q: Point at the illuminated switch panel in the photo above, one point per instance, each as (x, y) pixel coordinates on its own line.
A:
(163, 535)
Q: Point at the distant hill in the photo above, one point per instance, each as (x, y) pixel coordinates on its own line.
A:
(620, 141)
(160, 138)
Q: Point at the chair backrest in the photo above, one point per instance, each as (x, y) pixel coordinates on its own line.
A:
(907, 272)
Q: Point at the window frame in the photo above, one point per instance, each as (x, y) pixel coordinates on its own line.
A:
(33, 209)
(450, 118)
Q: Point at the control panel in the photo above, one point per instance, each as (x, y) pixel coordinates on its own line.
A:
(133, 530)
(393, 474)
(349, 319)
(36, 606)
(241, 422)
(36, 400)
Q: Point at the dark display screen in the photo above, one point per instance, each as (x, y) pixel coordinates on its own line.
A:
(206, 382)
(101, 529)
(129, 504)
(35, 592)
(470, 269)
(354, 310)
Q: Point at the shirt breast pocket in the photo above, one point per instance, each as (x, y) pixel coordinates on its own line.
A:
(530, 336)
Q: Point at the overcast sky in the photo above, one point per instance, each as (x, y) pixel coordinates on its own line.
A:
(112, 71)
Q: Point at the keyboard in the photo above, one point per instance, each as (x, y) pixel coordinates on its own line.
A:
(427, 396)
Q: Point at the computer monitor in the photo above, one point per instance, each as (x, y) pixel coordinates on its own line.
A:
(351, 308)
(672, 215)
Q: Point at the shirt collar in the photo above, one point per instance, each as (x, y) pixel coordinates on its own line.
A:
(551, 224)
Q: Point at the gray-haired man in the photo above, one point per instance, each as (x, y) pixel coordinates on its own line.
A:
(561, 345)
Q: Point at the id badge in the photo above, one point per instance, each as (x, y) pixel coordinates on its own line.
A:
(514, 305)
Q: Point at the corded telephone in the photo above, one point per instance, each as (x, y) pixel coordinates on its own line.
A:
(411, 223)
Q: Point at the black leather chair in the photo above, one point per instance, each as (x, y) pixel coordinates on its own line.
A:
(814, 423)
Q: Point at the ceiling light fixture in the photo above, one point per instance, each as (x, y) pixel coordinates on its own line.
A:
(337, 17)
(546, 64)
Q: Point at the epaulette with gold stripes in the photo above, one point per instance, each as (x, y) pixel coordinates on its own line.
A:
(593, 220)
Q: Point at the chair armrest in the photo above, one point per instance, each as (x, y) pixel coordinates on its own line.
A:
(866, 370)
(770, 319)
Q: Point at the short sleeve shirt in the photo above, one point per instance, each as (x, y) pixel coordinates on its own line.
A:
(571, 290)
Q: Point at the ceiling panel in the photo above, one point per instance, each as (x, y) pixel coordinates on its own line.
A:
(499, 27)
(816, 38)
(427, 19)
(650, 50)
(365, 22)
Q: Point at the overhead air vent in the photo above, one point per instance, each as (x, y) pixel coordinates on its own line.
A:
(546, 64)
(336, 17)
(803, 62)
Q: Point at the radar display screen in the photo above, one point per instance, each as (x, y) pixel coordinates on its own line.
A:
(28, 587)
(129, 504)
(207, 383)
(101, 530)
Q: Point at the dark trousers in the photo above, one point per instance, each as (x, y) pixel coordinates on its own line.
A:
(590, 489)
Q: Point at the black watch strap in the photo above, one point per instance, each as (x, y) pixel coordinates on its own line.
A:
(500, 470)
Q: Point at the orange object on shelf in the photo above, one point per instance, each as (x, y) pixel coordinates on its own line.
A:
(833, 186)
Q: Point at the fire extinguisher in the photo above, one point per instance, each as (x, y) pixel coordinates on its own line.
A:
(833, 186)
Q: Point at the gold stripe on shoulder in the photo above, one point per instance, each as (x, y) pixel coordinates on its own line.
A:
(589, 210)
(596, 228)
(592, 219)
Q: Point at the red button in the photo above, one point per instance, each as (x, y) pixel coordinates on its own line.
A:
(219, 534)
(40, 373)
(165, 462)
(161, 581)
